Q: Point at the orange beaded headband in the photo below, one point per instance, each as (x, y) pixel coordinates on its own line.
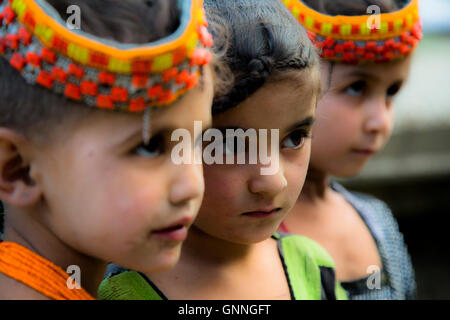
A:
(100, 72)
(358, 39)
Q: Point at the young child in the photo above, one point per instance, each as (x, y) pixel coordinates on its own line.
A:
(362, 71)
(232, 251)
(85, 186)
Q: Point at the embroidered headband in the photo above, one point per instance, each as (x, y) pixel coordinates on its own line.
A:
(359, 39)
(100, 72)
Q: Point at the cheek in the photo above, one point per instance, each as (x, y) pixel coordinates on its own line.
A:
(337, 124)
(225, 185)
(295, 171)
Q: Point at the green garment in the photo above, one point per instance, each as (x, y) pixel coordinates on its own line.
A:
(308, 267)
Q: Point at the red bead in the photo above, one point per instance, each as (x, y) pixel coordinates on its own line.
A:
(205, 37)
(137, 104)
(360, 51)
(140, 81)
(371, 45)
(391, 26)
(59, 44)
(76, 71)
(370, 56)
(317, 25)
(301, 17)
(200, 57)
(349, 57)
(327, 53)
(17, 61)
(169, 74)
(106, 78)
(179, 55)
(155, 92)
(192, 81)
(12, 41)
(142, 66)
(24, 36)
(48, 55)
(72, 91)
(8, 14)
(328, 43)
(336, 29)
(355, 29)
(104, 101)
(29, 20)
(45, 79)
(89, 88)
(33, 59)
(311, 35)
(59, 74)
(119, 94)
(349, 46)
(339, 48)
(166, 96)
(182, 77)
(99, 59)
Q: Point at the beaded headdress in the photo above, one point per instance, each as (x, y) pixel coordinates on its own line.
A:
(100, 72)
(365, 38)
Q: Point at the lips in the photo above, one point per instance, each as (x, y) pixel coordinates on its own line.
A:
(176, 231)
(365, 151)
(262, 213)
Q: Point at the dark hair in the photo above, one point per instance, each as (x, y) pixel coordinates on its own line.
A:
(262, 38)
(353, 7)
(35, 111)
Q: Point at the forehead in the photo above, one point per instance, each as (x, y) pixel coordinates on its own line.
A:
(283, 100)
(378, 72)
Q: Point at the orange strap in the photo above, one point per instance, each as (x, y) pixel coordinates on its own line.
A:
(24, 265)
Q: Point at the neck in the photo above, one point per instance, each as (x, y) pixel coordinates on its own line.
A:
(42, 241)
(215, 252)
(316, 185)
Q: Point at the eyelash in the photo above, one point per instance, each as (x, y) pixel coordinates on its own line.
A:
(303, 136)
(360, 86)
(146, 150)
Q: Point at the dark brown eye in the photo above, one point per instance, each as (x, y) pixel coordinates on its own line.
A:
(393, 90)
(356, 88)
(153, 149)
(295, 140)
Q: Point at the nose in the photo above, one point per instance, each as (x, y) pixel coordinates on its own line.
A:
(188, 184)
(267, 185)
(378, 116)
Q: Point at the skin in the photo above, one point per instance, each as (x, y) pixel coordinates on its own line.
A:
(226, 250)
(99, 195)
(354, 122)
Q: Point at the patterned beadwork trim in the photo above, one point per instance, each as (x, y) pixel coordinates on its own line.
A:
(348, 39)
(107, 75)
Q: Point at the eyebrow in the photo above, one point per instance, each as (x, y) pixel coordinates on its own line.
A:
(306, 122)
(362, 74)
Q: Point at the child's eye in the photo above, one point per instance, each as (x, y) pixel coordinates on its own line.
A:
(356, 89)
(153, 149)
(393, 90)
(295, 140)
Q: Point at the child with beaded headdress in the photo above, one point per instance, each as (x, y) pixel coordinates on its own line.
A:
(365, 61)
(85, 136)
(233, 250)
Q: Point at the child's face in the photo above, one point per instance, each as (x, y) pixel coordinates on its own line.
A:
(355, 115)
(234, 190)
(110, 197)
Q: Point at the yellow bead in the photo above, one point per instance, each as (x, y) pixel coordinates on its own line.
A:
(398, 24)
(364, 30)
(384, 27)
(19, 7)
(119, 66)
(162, 62)
(346, 29)
(78, 53)
(326, 28)
(309, 22)
(296, 12)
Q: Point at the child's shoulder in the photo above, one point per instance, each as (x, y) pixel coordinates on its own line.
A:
(124, 284)
(293, 244)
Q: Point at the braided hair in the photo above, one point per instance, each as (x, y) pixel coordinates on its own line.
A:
(262, 39)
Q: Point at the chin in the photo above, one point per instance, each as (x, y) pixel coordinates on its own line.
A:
(163, 262)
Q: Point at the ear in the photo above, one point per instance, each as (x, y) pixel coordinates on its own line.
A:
(16, 186)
